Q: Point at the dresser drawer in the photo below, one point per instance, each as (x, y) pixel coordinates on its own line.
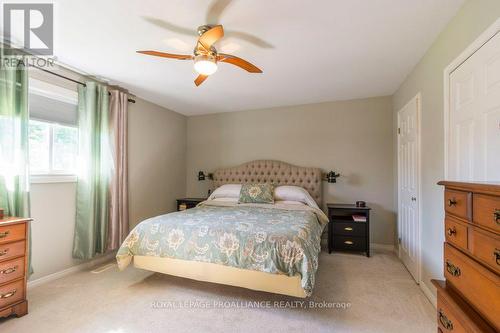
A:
(455, 232)
(480, 286)
(486, 247)
(458, 203)
(14, 232)
(454, 314)
(349, 243)
(349, 228)
(11, 250)
(487, 211)
(11, 293)
(448, 320)
(11, 270)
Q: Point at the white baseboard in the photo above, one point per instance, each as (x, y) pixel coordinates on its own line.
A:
(428, 293)
(68, 271)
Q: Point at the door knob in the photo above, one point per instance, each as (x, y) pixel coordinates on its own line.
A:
(413, 199)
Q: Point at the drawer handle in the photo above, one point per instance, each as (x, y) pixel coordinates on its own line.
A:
(496, 216)
(452, 269)
(4, 234)
(348, 229)
(445, 321)
(3, 252)
(497, 256)
(348, 242)
(9, 270)
(451, 231)
(9, 294)
(452, 202)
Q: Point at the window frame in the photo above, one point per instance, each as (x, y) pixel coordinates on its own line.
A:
(47, 179)
(53, 176)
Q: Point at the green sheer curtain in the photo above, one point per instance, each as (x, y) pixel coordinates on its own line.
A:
(14, 125)
(94, 176)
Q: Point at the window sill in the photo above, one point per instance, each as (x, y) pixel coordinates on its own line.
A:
(47, 179)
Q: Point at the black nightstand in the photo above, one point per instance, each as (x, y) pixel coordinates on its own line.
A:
(346, 234)
(186, 203)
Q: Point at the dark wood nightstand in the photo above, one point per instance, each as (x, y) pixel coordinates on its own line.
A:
(346, 234)
(186, 203)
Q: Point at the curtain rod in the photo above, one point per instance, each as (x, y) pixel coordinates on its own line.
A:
(70, 79)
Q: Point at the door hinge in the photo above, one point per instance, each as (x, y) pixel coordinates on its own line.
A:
(399, 130)
(399, 240)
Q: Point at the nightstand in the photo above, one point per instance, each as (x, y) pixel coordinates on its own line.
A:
(186, 203)
(344, 233)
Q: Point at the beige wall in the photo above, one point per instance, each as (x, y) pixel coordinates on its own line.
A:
(157, 169)
(53, 211)
(427, 77)
(157, 160)
(351, 137)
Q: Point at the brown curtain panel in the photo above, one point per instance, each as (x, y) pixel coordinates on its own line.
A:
(118, 226)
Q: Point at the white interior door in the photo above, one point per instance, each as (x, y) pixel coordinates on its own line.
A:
(474, 116)
(409, 186)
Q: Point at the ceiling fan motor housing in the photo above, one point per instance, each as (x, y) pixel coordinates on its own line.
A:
(202, 51)
(205, 57)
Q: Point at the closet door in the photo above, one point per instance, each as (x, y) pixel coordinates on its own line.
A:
(409, 186)
(474, 119)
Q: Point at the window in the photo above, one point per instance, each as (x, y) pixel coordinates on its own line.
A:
(53, 148)
(53, 133)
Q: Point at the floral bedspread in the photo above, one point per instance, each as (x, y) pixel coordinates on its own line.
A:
(279, 239)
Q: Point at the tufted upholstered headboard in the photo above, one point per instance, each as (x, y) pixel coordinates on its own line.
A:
(275, 172)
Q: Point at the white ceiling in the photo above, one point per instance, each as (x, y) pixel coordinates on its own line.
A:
(310, 51)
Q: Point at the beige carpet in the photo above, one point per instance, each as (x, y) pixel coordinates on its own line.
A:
(381, 294)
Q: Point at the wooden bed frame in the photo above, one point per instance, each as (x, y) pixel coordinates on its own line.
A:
(260, 171)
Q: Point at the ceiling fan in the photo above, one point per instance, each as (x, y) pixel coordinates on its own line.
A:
(205, 55)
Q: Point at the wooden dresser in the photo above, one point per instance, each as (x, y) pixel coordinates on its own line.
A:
(469, 299)
(13, 266)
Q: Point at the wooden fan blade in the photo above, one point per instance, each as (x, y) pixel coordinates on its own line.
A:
(199, 80)
(211, 36)
(238, 62)
(167, 55)
(215, 11)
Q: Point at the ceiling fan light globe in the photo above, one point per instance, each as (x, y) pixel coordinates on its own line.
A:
(205, 65)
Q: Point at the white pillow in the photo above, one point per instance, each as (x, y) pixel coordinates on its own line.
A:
(294, 193)
(226, 191)
(232, 200)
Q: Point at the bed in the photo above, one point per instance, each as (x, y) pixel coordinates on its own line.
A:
(266, 247)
